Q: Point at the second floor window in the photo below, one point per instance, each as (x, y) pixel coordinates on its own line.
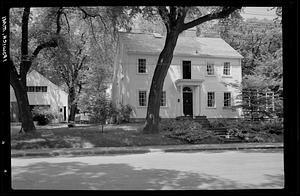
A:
(142, 98)
(227, 99)
(210, 69)
(141, 65)
(163, 100)
(36, 88)
(211, 99)
(226, 69)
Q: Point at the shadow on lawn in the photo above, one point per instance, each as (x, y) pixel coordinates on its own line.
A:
(80, 176)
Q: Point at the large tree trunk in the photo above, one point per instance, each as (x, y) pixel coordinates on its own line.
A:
(161, 70)
(73, 104)
(23, 105)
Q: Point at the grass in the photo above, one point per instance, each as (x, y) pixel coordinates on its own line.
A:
(90, 136)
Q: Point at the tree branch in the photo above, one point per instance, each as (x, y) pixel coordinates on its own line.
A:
(24, 41)
(164, 13)
(67, 21)
(59, 13)
(222, 14)
(81, 63)
(49, 44)
(93, 16)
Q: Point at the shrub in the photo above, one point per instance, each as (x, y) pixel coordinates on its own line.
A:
(123, 113)
(188, 131)
(43, 116)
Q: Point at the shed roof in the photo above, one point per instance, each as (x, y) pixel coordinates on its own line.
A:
(187, 46)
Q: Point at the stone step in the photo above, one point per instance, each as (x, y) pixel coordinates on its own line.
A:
(200, 117)
(220, 133)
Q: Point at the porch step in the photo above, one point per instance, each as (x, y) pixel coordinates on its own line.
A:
(219, 131)
(200, 119)
(231, 139)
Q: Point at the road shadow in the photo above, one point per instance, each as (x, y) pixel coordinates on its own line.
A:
(81, 176)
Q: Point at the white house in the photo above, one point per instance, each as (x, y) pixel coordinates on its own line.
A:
(195, 83)
(41, 92)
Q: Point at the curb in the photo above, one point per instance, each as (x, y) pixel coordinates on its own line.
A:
(139, 150)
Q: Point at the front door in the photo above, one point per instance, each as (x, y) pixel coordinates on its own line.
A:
(65, 113)
(187, 101)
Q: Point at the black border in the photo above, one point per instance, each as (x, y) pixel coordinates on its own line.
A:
(291, 98)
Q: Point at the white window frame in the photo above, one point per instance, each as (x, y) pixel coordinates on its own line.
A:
(165, 99)
(138, 65)
(229, 69)
(138, 98)
(214, 103)
(230, 100)
(270, 94)
(213, 69)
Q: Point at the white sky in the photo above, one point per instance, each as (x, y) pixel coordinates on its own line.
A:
(259, 13)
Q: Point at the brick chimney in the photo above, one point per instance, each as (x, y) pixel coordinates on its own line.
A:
(189, 32)
(210, 34)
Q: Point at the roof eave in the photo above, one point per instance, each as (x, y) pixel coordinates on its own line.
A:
(185, 54)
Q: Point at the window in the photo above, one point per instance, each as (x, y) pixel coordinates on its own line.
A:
(142, 98)
(36, 88)
(227, 99)
(30, 89)
(210, 69)
(226, 70)
(211, 99)
(163, 100)
(141, 65)
(269, 101)
(186, 69)
(44, 88)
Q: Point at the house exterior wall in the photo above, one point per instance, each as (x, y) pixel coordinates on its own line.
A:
(130, 82)
(55, 97)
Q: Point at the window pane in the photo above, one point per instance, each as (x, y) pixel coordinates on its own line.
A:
(142, 65)
(210, 99)
(227, 99)
(142, 98)
(163, 99)
(226, 69)
(210, 69)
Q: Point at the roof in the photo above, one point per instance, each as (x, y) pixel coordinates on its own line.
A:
(187, 46)
(35, 71)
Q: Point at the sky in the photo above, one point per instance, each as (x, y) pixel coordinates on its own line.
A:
(259, 13)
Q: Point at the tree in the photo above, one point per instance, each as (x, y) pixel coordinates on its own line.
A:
(84, 56)
(260, 42)
(176, 20)
(26, 53)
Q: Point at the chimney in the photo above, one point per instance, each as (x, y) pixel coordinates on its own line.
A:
(189, 32)
(210, 34)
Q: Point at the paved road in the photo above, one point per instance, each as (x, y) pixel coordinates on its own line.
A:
(248, 169)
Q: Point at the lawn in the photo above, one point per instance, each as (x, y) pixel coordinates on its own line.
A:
(172, 133)
(90, 136)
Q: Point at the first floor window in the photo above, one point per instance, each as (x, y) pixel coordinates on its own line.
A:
(226, 69)
(163, 100)
(142, 98)
(227, 99)
(211, 99)
(210, 69)
(141, 65)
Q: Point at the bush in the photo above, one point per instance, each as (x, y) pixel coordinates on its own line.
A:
(188, 131)
(123, 113)
(43, 116)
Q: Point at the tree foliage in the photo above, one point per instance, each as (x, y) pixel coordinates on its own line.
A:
(260, 42)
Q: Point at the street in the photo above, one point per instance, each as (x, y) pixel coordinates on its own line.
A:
(244, 169)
